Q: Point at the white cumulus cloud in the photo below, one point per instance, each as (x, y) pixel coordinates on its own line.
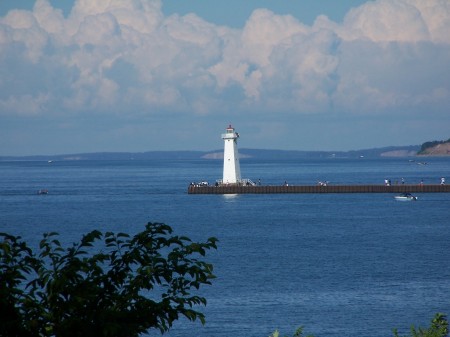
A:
(125, 57)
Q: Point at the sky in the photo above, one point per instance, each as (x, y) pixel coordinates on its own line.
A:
(82, 76)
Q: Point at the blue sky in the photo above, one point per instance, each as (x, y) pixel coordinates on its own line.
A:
(141, 75)
(232, 13)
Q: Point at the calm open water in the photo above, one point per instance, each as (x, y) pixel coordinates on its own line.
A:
(342, 265)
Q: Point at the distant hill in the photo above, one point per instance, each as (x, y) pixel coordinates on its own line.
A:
(435, 148)
(154, 155)
(392, 151)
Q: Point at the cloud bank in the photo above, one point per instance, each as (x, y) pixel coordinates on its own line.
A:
(125, 58)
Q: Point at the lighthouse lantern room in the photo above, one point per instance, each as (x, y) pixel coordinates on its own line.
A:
(231, 168)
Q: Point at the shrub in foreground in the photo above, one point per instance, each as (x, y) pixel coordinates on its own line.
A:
(438, 328)
(106, 285)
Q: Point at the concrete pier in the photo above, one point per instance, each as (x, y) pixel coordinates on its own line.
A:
(235, 189)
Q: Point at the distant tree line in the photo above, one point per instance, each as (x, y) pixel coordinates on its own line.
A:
(428, 145)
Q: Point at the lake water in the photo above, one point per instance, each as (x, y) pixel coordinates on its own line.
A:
(341, 265)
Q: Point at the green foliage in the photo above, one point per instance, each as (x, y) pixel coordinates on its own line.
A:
(428, 145)
(438, 328)
(106, 285)
(297, 333)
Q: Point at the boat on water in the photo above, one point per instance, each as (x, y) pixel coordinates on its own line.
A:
(43, 191)
(405, 197)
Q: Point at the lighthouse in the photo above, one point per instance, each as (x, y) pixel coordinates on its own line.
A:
(231, 168)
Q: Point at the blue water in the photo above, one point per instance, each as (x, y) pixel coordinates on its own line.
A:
(342, 265)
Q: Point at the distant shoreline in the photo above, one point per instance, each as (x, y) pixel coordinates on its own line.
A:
(385, 152)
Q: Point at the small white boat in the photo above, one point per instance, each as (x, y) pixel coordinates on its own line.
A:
(405, 197)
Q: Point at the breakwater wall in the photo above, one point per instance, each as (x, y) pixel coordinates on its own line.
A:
(235, 189)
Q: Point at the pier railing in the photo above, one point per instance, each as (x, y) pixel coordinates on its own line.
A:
(242, 182)
(256, 189)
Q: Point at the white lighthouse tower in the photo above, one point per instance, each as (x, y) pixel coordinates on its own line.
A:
(231, 168)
